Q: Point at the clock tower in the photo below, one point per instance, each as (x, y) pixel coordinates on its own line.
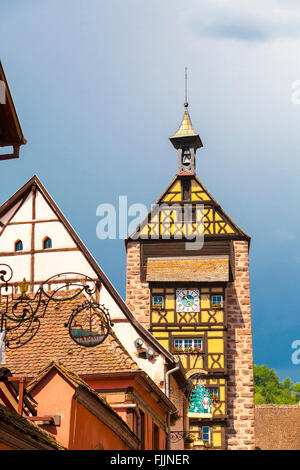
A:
(194, 297)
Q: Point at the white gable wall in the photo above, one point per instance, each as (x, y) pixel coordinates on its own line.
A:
(11, 234)
(4, 219)
(43, 210)
(32, 223)
(24, 212)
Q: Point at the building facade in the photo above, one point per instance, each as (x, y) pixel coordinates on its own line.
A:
(41, 248)
(188, 284)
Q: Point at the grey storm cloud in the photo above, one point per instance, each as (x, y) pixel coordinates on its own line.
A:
(247, 20)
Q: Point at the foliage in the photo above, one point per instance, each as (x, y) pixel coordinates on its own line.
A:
(268, 389)
(188, 440)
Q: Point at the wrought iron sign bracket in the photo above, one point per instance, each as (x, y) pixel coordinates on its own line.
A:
(20, 313)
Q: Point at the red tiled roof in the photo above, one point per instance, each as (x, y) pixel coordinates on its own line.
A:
(53, 343)
(185, 172)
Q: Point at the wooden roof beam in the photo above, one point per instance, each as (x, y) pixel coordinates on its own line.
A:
(11, 134)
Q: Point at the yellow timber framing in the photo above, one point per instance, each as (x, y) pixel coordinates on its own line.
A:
(209, 325)
(166, 223)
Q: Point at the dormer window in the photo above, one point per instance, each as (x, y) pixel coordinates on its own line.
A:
(19, 245)
(47, 243)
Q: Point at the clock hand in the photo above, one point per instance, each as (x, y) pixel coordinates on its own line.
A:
(189, 302)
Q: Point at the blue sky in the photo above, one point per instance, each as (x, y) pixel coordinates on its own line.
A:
(98, 86)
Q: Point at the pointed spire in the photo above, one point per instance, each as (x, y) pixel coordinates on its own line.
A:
(185, 129)
(185, 135)
(185, 132)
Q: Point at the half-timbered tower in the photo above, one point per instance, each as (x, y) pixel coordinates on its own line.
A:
(188, 283)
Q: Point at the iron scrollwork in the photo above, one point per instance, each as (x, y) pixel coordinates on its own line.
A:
(176, 436)
(89, 323)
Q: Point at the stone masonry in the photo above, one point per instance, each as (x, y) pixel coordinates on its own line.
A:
(277, 427)
(240, 434)
(137, 292)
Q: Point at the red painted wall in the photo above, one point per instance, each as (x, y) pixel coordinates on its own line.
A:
(111, 384)
(79, 428)
(90, 433)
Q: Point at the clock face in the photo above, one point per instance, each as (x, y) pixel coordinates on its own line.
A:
(187, 300)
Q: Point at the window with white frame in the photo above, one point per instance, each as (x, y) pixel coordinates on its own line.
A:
(217, 300)
(188, 344)
(206, 434)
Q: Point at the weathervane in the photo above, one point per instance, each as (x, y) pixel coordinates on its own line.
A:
(185, 87)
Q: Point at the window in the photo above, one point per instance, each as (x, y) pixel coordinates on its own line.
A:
(18, 245)
(158, 302)
(217, 300)
(47, 243)
(206, 434)
(214, 393)
(188, 345)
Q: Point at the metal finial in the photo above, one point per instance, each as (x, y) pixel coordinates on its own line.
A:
(185, 81)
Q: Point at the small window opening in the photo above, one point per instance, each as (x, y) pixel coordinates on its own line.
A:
(186, 157)
(47, 243)
(18, 245)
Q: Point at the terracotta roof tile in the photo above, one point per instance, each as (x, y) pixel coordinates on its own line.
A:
(199, 269)
(53, 343)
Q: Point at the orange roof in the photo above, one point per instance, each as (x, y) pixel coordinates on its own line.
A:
(53, 343)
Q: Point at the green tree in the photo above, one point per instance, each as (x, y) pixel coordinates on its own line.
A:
(296, 387)
(287, 384)
(268, 388)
